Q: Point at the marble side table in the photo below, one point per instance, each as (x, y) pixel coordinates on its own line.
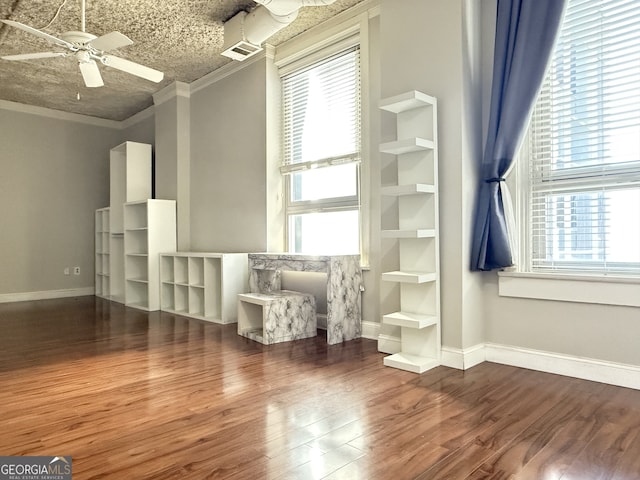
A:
(278, 316)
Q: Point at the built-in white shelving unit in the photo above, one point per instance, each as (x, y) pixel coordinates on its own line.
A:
(102, 253)
(415, 236)
(130, 181)
(203, 285)
(149, 229)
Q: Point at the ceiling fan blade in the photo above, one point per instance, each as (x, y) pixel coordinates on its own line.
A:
(110, 41)
(91, 74)
(32, 56)
(133, 68)
(38, 33)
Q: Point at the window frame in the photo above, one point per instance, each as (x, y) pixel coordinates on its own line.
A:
(524, 281)
(521, 282)
(352, 33)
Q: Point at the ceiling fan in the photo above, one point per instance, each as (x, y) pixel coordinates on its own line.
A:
(88, 50)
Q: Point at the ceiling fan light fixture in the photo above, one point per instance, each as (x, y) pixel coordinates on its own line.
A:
(83, 56)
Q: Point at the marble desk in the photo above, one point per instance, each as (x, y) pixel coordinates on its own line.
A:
(344, 282)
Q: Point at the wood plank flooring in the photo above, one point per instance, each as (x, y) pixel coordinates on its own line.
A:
(136, 395)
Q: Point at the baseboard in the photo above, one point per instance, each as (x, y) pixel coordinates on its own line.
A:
(450, 357)
(370, 330)
(612, 373)
(389, 344)
(462, 359)
(45, 295)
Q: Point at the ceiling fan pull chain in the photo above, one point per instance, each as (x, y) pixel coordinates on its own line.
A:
(55, 16)
(83, 25)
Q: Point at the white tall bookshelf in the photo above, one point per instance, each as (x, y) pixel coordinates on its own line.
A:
(102, 276)
(149, 229)
(415, 235)
(130, 180)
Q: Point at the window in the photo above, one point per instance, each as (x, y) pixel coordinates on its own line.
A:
(584, 146)
(321, 149)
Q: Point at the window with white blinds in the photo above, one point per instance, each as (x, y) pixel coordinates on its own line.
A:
(322, 113)
(321, 154)
(584, 145)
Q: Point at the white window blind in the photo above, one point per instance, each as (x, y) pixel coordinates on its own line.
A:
(584, 145)
(322, 153)
(321, 109)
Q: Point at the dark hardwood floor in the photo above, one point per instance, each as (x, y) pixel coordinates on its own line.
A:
(135, 395)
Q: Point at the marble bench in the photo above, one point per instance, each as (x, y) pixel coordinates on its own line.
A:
(276, 316)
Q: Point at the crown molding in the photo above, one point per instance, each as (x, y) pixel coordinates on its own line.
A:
(230, 68)
(337, 27)
(176, 89)
(137, 117)
(59, 115)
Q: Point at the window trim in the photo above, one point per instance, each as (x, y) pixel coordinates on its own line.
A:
(521, 282)
(606, 288)
(337, 36)
(594, 289)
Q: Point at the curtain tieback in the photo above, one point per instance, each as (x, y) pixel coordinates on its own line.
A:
(495, 180)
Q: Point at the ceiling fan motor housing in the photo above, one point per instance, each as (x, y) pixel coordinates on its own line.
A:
(79, 38)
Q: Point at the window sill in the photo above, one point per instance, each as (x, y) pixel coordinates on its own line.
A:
(600, 289)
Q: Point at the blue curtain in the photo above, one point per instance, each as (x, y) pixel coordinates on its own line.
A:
(525, 35)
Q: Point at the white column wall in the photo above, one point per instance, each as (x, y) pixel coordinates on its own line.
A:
(228, 163)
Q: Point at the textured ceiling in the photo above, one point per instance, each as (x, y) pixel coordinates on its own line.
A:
(182, 38)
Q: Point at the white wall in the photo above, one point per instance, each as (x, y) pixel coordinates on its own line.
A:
(54, 173)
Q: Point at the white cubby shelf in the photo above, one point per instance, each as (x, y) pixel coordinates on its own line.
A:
(203, 285)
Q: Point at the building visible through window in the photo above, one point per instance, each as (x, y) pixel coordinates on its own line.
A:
(584, 149)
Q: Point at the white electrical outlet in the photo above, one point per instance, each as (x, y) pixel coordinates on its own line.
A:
(66, 270)
(76, 270)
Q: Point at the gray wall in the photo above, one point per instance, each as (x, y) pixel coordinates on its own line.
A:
(142, 131)
(423, 48)
(54, 175)
(602, 332)
(173, 155)
(228, 163)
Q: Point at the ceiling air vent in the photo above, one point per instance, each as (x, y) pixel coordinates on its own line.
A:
(236, 46)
